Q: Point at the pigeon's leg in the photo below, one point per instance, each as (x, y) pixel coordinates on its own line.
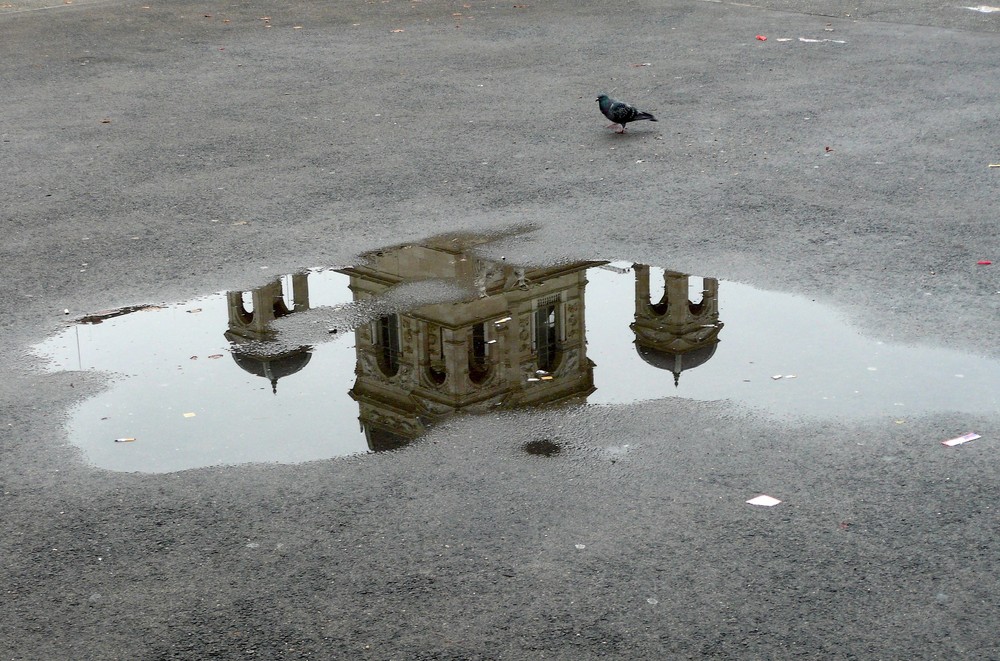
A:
(612, 124)
(623, 129)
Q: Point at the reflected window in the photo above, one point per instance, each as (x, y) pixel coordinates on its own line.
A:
(547, 323)
(696, 292)
(288, 295)
(387, 345)
(284, 301)
(657, 279)
(279, 307)
(437, 373)
(244, 310)
(479, 366)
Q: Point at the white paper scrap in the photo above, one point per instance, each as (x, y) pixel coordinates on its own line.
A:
(764, 501)
(984, 9)
(964, 438)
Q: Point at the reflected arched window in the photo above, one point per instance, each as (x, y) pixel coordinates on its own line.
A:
(437, 373)
(547, 323)
(479, 364)
(387, 347)
(244, 308)
(696, 308)
(658, 291)
(279, 307)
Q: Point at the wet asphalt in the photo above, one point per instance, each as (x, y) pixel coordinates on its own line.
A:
(156, 152)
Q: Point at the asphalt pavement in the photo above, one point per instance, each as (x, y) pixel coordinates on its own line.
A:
(155, 152)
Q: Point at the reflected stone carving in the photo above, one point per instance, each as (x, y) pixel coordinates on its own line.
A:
(389, 430)
(368, 364)
(571, 362)
(488, 274)
(675, 333)
(524, 336)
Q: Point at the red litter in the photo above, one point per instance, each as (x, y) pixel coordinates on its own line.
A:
(761, 37)
(984, 262)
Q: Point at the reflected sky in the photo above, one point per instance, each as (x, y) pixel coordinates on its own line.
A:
(179, 392)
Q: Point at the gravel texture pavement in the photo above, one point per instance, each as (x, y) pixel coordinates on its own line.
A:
(156, 152)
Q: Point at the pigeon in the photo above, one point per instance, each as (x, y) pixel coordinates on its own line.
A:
(620, 112)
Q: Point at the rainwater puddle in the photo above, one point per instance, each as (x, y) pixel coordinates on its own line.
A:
(214, 382)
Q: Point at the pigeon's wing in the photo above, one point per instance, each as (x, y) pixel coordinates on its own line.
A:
(621, 112)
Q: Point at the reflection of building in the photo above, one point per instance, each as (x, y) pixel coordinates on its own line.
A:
(675, 334)
(519, 343)
(250, 315)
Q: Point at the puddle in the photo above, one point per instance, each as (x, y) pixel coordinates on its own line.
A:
(213, 381)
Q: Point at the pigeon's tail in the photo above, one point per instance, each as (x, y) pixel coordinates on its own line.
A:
(644, 115)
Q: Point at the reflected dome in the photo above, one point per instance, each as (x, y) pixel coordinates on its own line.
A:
(273, 367)
(673, 361)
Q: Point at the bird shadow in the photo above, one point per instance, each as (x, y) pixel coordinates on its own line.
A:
(632, 134)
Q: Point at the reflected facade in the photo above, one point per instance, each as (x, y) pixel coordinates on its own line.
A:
(521, 341)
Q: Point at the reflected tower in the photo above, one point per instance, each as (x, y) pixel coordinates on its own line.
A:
(519, 342)
(250, 317)
(675, 333)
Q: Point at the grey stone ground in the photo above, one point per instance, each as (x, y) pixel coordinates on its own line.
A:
(322, 131)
